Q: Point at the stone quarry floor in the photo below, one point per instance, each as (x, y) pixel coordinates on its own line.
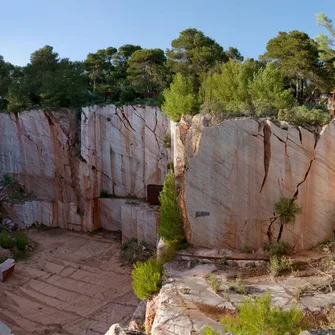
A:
(72, 284)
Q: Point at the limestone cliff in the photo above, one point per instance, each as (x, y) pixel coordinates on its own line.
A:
(66, 161)
(231, 175)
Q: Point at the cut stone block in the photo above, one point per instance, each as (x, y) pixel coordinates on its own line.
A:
(6, 269)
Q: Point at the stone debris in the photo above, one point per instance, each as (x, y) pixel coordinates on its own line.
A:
(9, 224)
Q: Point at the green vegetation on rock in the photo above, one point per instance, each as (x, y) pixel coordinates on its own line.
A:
(21, 241)
(179, 98)
(287, 210)
(6, 241)
(147, 278)
(257, 316)
(195, 74)
(171, 220)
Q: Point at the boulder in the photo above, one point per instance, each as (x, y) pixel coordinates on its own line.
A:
(116, 329)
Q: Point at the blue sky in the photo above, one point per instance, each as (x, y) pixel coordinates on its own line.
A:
(76, 27)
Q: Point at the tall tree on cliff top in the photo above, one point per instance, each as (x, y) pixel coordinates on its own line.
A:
(65, 87)
(100, 67)
(5, 79)
(147, 71)
(42, 61)
(326, 43)
(297, 54)
(230, 86)
(25, 89)
(179, 98)
(47, 81)
(234, 54)
(120, 61)
(193, 54)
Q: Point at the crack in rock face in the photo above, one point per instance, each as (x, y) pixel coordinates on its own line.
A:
(241, 169)
(67, 162)
(267, 152)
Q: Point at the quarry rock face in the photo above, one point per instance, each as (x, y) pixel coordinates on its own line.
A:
(66, 160)
(231, 175)
(124, 147)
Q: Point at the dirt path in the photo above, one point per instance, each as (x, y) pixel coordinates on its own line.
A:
(73, 284)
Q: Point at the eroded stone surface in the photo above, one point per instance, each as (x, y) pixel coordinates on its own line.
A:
(231, 176)
(66, 162)
(73, 284)
(187, 304)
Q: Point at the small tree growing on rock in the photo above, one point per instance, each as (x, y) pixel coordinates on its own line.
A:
(171, 220)
(287, 210)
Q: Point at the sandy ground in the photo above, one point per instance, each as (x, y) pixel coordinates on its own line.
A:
(73, 284)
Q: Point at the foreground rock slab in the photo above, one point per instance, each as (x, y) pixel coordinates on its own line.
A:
(73, 284)
(187, 303)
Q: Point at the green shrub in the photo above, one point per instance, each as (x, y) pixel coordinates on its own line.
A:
(280, 265)
(214, 282)
(127, 95)
(179, 98)
(240, 287)
(304, 116)
(287, 209)
(167, 141)
(6, 241)
(268, 91)
(8, 180)
(277, 249)
(168, 254)
(21, 240)
(147, 278)
(210, 331)
(171, 221)
(258, 317)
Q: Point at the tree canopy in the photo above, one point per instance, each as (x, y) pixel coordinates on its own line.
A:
(195, 74)
(147, 71)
